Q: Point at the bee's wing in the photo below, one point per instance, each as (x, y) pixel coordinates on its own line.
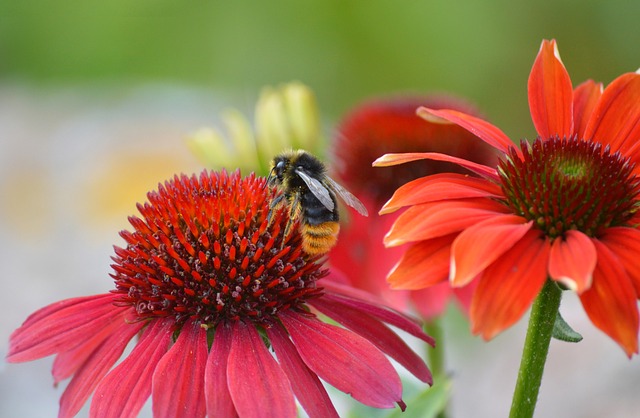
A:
(318, 189)
(346, 195)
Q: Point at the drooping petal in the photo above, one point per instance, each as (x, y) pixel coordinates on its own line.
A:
(66, 363)
(379, 311)
(394, 159)
(308, 388)
(217, 394)
(611, 303)
(572, 260)
(254, 376)
(616, 118)
(440, 187)
(59, 326)
(550, 93)
(345, 360)
(625, 244)
(509, 285)
(424, 264)
(178, 381)
(436, 219)
(378, 333)
(484, 130)
(585, 98)
(95, 367)
(480, 245)
(123, 392)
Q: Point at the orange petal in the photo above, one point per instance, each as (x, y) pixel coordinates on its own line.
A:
(585, 98)
(572, 261)
(509, 285)
(395, 159)
(610, 303)
(431, 220)
(484, 130)
(550, 93)
(616, 117)
(479, 246)
(625, 244)
(422, 265)
(440, 187)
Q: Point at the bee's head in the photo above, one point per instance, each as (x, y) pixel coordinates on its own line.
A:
(278, 168)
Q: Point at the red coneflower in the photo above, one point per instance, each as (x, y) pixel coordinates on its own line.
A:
(211, 288)
(564, 207)
(376, 127)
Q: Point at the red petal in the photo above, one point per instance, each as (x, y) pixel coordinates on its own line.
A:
(382, 313)
(432, 301)
(123, 392)
(550, 94)
(610, 303)
(424, 264)
(616, 118)
(377, 333)
(217, 394)
(308, 389)
(479, 127)
(437, 219)
(463, 296)
(572, 261)
(258, 386)
(482, 244)
(509, 285)
(178, 382)
(395, 159)
(361, 255)
(585, 98)
(345, 360)
(625, 244)
(443, 186)
(96, 366)
(60, 326)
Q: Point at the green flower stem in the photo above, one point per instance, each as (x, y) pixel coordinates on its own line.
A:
(435, 355)
(536, 348)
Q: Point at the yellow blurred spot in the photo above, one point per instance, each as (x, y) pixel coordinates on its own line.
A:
(121, 181)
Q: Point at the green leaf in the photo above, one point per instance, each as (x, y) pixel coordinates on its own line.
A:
(563, 332)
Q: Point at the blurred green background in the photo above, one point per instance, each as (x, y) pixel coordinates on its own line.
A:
(96, 98)
(345, 50)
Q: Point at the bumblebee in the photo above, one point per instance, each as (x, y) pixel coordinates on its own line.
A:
(310, 195)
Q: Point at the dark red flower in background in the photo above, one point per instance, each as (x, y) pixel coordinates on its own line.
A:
(211, 289)
(370, 130)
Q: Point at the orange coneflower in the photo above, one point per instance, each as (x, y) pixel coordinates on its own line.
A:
(563, 207)
(212, 287)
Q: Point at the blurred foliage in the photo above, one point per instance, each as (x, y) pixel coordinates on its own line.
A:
(344, 49)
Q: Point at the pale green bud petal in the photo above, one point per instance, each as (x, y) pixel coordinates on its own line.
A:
(272, 127)
(210, 147)
(303, 115)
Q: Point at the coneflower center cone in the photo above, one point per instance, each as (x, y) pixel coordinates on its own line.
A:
(564, 184)
(204, 249)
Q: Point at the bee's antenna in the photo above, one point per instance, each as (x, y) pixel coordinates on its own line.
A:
(269, 177)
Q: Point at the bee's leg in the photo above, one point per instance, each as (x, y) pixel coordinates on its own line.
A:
(294, 208)
(272, 207)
